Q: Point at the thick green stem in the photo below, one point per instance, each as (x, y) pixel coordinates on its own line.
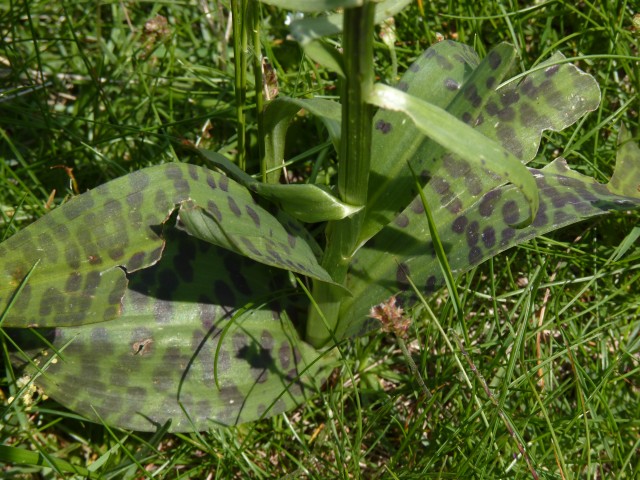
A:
(353, 171)
(238, 11)
(254, 15)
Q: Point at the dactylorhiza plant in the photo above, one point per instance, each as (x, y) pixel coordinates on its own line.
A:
(166, 295)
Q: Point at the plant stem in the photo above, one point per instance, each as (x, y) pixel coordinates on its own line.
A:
(254, 18)
(238, 11)
(353, 170)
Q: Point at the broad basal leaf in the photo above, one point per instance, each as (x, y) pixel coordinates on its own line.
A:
(481, 231)
(184, 350)
(549, 98)
(79, 254)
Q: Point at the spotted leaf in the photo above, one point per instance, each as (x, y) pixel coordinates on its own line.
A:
(481, 231)
(79, 254)
(448, 75)
(204, 339)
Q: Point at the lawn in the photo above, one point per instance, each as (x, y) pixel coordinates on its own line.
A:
(538, 375)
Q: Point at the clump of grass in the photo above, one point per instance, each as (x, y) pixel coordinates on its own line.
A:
(549, 329)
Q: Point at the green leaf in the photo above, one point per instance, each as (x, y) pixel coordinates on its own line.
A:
(278, 116)
(85, 248)
(448, 75)
(481, 231)
(461, 139)
(313, 5)
(550, 98)
(204, 339)
(310, 29)
(326, 55)
(305, 202)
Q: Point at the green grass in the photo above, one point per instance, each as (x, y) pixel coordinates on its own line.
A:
(552, 326)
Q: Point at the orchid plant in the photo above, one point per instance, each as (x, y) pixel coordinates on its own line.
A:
(200, 296)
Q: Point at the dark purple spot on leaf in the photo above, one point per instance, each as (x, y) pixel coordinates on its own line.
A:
(489, 237)
(173, 171)
(509, 98)
(72, 256)
(284, 354)
(251, 247)
(92, 281)
(560, 217)
(161, 201)
(528, 88)
(138, 181)
(224, 183)
(488, 203)
(254, 216)
(551, 71)
(507, 114)
(541, 219)
(135, 199)
(417, 207)
(440, 185)
(444, 62)
(494, 59)
(135, 262)
(473, 184)
(193, 172)
(402, 86)
(507, 235)
(431, 284)
(475, 255)
(402, 221)
(455, 206)
(115, 253)
(211, 181)
(233, 206)
(510, 212)
(473, 233)
(384, 127)
(471, 94)
(214, 210)
(74, 281)
(77, 205)
(492, 108)
(459, 224)
(181, 187)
